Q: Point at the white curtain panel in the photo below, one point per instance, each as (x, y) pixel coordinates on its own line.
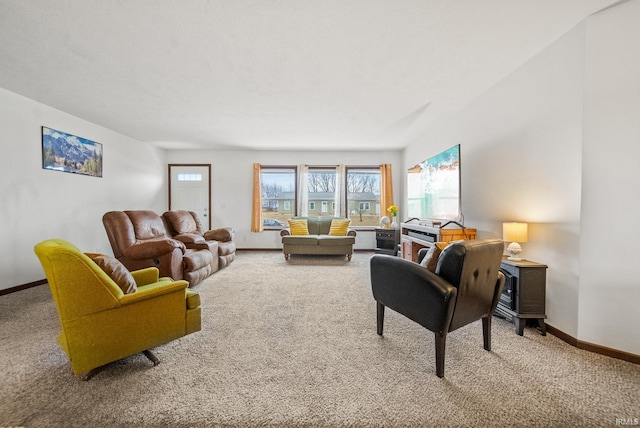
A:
(303, 192)
(340, 209)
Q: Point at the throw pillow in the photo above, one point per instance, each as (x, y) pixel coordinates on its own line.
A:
(430, 260)
(298, 226)
(116, 271)
(339, 227)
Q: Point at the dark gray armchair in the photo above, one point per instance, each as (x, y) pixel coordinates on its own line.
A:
(465, 287)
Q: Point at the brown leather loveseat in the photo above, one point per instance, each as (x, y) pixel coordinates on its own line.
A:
(141, 239)
(186, 227)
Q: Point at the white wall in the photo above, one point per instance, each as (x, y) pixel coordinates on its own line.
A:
(522, 146)
(609, 284)
(38, 204)
(521, 160)
(232, 182)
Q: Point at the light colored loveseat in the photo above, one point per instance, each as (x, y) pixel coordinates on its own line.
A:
(318, 241)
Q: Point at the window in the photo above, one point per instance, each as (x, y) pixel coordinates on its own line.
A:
(354, 192)
(189, 177)
(363, 196)
(321, 182)
(278, 195)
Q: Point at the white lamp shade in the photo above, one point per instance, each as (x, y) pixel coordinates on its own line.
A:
(515, 232)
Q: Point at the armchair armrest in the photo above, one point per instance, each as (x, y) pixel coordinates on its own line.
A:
(413, 290)
(146, 276)
(351, 232)
(498, 290)
(204, 245)
(224, 234)
(285, 232)
(150, 291)
(155, 248)
(196, 242)
(189, 238)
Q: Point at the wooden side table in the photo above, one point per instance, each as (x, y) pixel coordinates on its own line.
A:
(523, 296)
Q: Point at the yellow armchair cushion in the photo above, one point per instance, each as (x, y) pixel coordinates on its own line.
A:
(339, 227)
(146, 276)
(193, 299)
(299, 226)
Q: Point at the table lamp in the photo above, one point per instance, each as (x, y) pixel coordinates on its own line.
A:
(515, 233)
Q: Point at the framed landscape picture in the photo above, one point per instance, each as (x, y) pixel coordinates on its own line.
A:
(68, 153)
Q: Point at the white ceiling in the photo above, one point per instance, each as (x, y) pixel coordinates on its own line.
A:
(271, 74)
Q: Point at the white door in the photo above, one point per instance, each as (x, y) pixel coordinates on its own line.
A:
(190, 189)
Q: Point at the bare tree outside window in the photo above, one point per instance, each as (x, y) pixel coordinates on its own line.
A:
(321, 183)
(363, 183)
(270, 192)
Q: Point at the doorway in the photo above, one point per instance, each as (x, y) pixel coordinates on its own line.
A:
(190, 189)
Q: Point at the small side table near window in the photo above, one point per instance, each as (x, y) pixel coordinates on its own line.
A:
(387, 241)
(523, 296)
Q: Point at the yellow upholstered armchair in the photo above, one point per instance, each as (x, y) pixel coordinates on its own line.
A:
(108, 313)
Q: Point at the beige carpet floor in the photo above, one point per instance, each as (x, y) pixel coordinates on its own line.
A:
(295, 344)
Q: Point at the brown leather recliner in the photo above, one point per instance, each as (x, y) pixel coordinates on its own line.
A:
(186, 227)
(140, 239)
(465, 287)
